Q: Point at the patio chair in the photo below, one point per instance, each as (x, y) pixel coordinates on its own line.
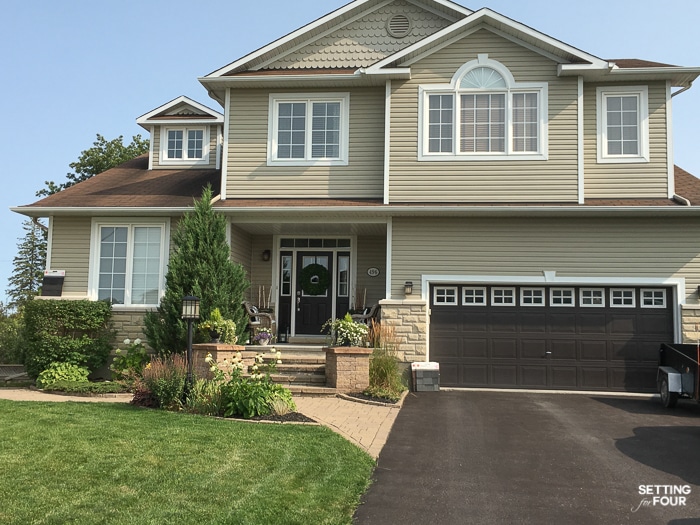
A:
(258, 319)
(367, 316)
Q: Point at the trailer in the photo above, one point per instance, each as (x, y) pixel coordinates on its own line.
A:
(678, 376)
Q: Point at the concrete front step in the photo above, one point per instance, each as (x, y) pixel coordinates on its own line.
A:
(306, 390)
(296, 367)
(301, 378)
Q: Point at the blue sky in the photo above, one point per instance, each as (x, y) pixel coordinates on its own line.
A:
(76, 68)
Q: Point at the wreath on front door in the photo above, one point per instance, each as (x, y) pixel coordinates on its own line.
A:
(314, 279)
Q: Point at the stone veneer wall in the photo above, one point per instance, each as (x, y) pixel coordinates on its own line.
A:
(690, 323)
(128, 324)
(408, 318)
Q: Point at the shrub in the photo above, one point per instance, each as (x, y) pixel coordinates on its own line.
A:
(62, 372)
(128, 364)
(11, 339)
(385, 377)
(165, 378)
(225, 328)
(75, 332)
(346, 332)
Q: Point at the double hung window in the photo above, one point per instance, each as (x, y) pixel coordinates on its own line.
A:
(623, 127)
(484, 115)
(308, 130)
(129, 261)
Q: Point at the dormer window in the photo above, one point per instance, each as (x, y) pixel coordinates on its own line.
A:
(185, 144)
(483, 114)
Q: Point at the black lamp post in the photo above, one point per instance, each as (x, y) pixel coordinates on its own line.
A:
(190, 312)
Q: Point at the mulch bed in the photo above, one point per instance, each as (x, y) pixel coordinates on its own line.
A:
(292, 417)
(384, 400)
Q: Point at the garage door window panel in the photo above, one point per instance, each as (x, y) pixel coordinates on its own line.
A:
(474, 296)
(532, 297)
(653, 298)
(445, 296)
(562, 297)
(503, 296)
(592, 297)
(622, 298)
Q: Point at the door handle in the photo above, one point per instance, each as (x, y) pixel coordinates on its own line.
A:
(298, 304)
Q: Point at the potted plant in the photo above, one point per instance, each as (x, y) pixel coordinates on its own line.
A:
(219, 329)
(346, 332)
(263, 337)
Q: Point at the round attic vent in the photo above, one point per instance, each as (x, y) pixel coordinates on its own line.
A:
(398, 26)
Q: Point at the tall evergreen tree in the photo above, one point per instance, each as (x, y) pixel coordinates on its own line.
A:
(29, 265)
(200, 265)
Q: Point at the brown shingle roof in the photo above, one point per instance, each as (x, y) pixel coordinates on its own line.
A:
(636, 62)
(687, 186)
(132, 184)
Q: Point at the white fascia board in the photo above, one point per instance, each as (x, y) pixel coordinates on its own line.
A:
(242, 79)
(684, 76)
(480, 16)
(99, 211)
(143, 119)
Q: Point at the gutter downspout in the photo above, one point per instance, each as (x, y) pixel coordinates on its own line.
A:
(686, 88)
(35, 221)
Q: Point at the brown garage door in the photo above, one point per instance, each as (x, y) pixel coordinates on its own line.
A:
(573, 338)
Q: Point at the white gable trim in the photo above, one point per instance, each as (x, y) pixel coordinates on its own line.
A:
(219, 118)
(312, 26)
(476, 18)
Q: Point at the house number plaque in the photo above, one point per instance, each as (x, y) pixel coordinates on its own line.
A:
(373, 272)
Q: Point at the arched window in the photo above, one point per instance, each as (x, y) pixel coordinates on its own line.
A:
(484, 114)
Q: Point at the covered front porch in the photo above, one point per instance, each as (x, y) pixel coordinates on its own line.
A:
(305, 273)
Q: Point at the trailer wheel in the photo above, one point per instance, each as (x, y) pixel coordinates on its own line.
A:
(669, 399)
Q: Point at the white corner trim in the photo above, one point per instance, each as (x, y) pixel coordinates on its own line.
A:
(151, 146)
(224, 160)
(669, 142)
(389, 254)
(579, 141)
(387, 140)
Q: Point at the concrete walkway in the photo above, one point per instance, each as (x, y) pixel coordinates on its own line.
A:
(364, 424)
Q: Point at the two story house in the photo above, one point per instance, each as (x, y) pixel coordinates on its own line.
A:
(510, 201)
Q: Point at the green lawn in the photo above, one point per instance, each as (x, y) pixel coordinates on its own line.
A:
(90, 463)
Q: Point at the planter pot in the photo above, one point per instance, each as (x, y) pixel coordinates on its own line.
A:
(214, 336)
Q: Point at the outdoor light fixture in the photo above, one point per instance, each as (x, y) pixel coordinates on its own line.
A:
(408, 287)
(266, 255)
(190, 312)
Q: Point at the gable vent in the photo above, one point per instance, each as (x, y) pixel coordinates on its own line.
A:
(398, 26)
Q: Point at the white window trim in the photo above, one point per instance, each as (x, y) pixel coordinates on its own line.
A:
(481, 289)
(272, 124)
(206, 146)
(562, 305)
(581, 297)
(642, 92)
(452, 303)
(634, 298)
(94, 270)
(500, 288)
(425, 91)
(653, 290)
(527, 289)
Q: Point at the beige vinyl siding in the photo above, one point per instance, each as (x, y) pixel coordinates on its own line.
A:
(636, 180)
(158, 136)
(371, 253)
(555, 179)
(595, 247)
(365, 41)
(261, 271)
(249, 176)
(241, 250)
(70, 251)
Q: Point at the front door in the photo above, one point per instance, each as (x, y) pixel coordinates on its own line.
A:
(314, 291)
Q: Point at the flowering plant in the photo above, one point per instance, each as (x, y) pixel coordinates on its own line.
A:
(263, 336)
(224, 328)
(129, 363)
(346, 332)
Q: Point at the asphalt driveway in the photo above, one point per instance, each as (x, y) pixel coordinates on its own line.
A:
(505, 458)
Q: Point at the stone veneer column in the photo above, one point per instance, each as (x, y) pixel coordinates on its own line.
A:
(690, 323)
(347, 368)
(219, 353)
(408, 318)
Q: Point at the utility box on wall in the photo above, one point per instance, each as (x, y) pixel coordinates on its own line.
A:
(52, 285)
(426, 377)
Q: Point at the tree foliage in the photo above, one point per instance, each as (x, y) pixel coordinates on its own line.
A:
(103, 155)
(200, 265)
(28, 266)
